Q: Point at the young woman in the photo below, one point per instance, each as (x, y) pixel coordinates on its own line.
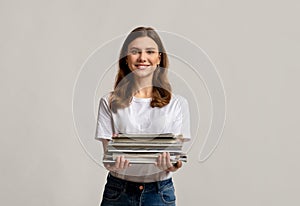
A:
(141, 103)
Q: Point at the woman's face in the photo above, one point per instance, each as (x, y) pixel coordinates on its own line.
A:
(143, 56)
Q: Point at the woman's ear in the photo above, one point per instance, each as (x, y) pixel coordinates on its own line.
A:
(159, 57)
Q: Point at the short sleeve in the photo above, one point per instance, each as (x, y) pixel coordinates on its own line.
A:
(104, 128)
(182, 121)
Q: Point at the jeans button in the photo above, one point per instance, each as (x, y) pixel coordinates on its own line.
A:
(141, 187)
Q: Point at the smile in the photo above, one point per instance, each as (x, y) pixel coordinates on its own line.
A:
(142, 66)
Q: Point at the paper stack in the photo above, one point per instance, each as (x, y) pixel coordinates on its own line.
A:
(145, 148)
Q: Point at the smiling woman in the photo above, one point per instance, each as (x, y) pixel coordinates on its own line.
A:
(142, 47)
(143, 58)
(141, 103)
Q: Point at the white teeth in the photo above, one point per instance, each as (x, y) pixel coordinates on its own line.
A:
(142, 67)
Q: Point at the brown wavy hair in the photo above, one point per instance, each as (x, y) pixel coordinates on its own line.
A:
(124, 82)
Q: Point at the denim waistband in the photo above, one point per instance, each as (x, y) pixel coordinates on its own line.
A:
(138, 186)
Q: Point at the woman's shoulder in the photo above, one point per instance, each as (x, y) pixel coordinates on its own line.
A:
(104, 100)
(178, 98)
(105, 97)
(178, 101)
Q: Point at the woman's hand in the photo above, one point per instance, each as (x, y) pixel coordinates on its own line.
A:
(164, 163)
(120, 164)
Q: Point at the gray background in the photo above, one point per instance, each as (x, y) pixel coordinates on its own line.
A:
(254, 45)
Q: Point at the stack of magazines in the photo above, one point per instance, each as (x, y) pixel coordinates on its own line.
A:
(145, 148)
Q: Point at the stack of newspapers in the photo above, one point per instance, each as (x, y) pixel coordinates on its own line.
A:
(145, 148)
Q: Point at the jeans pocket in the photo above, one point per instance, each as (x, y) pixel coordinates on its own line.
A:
(168, 195)
(112, 192)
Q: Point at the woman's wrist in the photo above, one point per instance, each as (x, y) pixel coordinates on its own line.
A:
(175, 166)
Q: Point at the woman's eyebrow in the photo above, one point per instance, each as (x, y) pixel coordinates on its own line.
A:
(133, 48)
(149, 48)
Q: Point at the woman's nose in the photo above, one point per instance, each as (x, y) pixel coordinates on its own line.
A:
(142, 56)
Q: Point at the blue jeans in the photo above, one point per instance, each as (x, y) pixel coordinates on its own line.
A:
(118, 192)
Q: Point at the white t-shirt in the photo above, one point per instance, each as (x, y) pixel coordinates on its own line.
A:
(140, 118)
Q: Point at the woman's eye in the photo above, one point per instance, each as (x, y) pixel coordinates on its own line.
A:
(133, 51)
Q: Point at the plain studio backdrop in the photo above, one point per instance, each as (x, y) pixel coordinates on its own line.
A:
(254, 45)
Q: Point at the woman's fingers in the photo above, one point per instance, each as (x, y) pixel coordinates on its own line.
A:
(126, 165)
(164, 161)
(160, 160)
(117, 162)
(120, 164)
(168, 161)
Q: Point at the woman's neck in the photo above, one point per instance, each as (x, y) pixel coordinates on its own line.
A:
(144, 93)
(143, 88)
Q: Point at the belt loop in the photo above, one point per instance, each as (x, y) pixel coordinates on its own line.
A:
(125, 187)
(158, 186)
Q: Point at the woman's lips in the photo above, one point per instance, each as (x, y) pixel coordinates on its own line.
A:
(142, 66)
